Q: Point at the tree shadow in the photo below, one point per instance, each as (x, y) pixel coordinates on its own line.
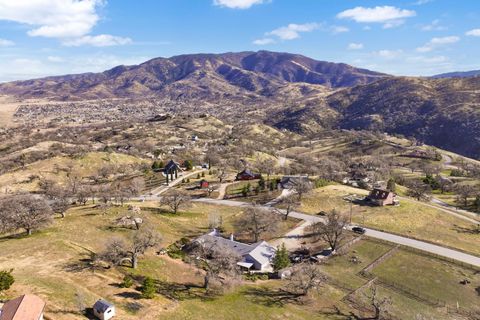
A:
(130, 295)
(183, 291)
(273, 298)
(472, 230)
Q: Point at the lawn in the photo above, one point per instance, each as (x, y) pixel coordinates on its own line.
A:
(437, 279)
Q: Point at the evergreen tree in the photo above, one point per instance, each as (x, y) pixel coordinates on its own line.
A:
(188, 165)
(261, 183)
(148, 288)
(6, 280)
(281, 259)
(391, 185)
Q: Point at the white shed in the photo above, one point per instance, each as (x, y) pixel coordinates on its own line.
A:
(103, 310)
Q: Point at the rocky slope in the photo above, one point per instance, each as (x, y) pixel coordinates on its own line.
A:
(198, 76)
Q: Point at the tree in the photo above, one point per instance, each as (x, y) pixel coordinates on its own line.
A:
(464, 192)
(24, 211)
(290, 202)
(419, 190)
(331, 229)
(302, 187)
(148, 288)
(6, 280)
(188, 165)
(380, 306)
(267, 166)
(118, 252)
(391, 185)
(175, 200)
(256, 222)
(218, 261)
(305, 278)
(281, 259)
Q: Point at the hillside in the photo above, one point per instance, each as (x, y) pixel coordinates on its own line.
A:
(459, 74)
(197, 76)
(443, 112)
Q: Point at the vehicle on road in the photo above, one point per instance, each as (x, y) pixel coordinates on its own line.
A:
(358, 230)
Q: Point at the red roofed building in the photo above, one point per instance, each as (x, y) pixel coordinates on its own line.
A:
(26, 307)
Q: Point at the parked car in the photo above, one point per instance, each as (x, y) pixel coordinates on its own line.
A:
(358, 230)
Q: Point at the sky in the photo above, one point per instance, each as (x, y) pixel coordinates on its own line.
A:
(407, 37)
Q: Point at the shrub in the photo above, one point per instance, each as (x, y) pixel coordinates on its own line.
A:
(6, 280)
(319, 183)
(127, 282)
(148, 288)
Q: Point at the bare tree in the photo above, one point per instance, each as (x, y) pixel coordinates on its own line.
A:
(257, 221)
(24, 211)
(217, 260)
(419, 190)
(175, 200)
(290, 202)
(331, 230)
(302, 187)
(464, 192)
(305, 278)
(118, 251)
(267, 166)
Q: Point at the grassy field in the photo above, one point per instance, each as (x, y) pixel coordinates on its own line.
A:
(438, 279)
(84, 166)
(411, 218)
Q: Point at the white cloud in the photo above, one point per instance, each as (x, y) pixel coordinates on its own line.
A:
(387, 15)
(355, 46)
(102, 40)
(423, 59)
(422, 2)
(55, 59)
(6, 43)
(52, 18)
(292, 31)
(238, 4)
(438, 42)
(339, 29)
(264, 41)
(388, 54)
(434, 26)
(473, 33)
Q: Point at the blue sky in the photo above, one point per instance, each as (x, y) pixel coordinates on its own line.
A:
(410, 37)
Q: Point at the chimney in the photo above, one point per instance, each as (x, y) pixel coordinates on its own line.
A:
(231, 237)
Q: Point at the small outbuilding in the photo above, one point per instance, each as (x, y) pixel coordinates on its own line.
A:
(103, 310)
(204, 184)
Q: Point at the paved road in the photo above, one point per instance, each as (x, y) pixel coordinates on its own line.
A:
(420, 245)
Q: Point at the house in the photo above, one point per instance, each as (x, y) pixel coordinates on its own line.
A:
(255, 257)
(289, 182)
(382, 197)
(172, 168)
(26, 307)
(103, 310)
(204, 184)
(247, 175)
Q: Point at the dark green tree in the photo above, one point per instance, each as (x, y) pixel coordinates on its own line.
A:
(148, 288)
(188, 165)
(6, 280)
(391, 185)
(281, 259)
(261, 183)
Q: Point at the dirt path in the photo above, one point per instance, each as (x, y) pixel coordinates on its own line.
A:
(162, 189)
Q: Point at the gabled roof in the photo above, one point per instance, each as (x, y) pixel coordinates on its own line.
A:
(248, 172)
(102, 305)
(172, 165)
(379, 194)
(241, 248)
(26, 307)
(263, 252)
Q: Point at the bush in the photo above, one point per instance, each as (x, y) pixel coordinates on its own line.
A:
(320, 183)
(148, 288)
(127, 282)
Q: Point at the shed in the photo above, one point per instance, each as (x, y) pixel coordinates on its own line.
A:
(103, 310)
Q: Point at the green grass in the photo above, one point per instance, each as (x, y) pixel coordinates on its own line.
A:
(437, 279)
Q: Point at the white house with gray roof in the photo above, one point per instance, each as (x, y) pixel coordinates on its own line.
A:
(103, 310)
(254, 257)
